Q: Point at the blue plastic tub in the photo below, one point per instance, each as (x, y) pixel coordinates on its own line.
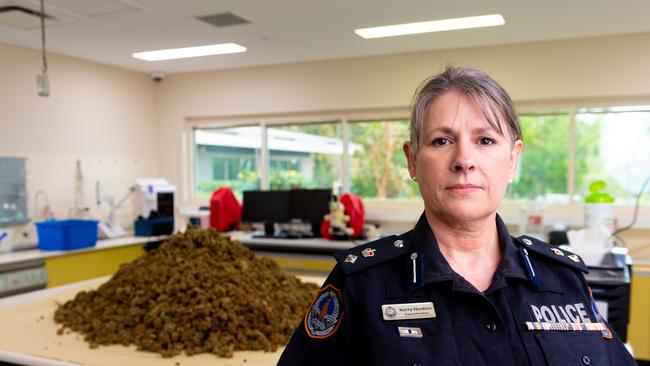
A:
(66, 234)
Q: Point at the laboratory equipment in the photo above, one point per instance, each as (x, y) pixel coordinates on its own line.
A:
(225, 210)
(154, 206)
(20, 277)
(80, 209)
(596, 237)
(13, 192)
(5, 241)
(609, 281)
(111, 228)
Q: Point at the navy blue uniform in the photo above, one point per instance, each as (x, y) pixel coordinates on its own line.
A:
(396, 301)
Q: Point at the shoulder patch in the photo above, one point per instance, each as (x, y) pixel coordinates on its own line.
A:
(372, 253)
(325, 313)
(550, 251)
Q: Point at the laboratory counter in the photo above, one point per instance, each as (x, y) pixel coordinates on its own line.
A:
(29, 336)
(32, 269)
(32, 254)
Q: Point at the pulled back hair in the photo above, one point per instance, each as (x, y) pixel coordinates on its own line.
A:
(494, 101)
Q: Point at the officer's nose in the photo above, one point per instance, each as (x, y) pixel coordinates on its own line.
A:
(463, 158)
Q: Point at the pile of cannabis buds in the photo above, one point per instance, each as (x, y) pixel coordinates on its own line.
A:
(198, 292)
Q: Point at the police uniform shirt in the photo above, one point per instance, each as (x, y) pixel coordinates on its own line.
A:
(396, 301)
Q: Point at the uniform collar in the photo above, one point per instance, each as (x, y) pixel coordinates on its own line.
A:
(436, 268)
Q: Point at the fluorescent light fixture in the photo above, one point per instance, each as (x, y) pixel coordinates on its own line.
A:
(187, 52)
(431, 26)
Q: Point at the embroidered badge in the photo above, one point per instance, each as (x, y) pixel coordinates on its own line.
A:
(560, 313)
(325, 313)
(557, 252)
(368, 252)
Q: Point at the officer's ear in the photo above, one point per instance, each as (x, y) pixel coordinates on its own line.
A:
(515, 152)
(410, 159)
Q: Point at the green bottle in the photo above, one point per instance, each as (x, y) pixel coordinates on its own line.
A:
(599, 208)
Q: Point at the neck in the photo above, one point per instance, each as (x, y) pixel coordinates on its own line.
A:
(465, 237)
(471, 249)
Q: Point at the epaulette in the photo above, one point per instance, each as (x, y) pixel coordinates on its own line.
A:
(550, 251)
(372, 253)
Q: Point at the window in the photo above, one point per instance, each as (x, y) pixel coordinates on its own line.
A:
(544, 163)
(378, 168)
(226, 157)
(304, 156)
(613, 145)
(563, 153)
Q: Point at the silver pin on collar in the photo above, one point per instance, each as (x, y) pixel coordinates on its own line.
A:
(351, 258)
(413, 257)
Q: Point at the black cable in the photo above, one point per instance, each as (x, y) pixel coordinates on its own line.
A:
(636, 208)
(44, 67)
(619, 240)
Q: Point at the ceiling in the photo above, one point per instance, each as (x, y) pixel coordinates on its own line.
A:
(287, 31)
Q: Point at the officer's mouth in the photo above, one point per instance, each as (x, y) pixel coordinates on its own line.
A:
(463, 189)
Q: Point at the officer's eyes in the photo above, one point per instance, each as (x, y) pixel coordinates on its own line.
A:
(486, 141)
(441, 141)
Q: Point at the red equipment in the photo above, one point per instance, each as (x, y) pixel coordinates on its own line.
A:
(225, 210)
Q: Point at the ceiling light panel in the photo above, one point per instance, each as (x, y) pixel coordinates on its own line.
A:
(187, 52)
(431, 26)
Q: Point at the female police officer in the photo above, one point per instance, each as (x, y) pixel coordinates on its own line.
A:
(457, 289)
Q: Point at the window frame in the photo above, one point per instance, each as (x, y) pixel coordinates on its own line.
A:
(407, 212)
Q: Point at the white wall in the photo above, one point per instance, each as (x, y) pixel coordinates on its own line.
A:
(101, 115)
(540, 73)
(122, 125)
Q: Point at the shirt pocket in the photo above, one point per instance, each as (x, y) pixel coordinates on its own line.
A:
(573, 348)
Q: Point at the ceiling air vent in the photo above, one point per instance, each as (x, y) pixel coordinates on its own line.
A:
(223, 19)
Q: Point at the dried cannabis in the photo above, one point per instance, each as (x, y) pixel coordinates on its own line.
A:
(198, 292)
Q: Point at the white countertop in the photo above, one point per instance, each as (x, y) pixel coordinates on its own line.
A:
(26, 255)
(29, 336)
(295, 244)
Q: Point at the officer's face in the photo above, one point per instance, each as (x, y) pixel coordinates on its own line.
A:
(463, 165)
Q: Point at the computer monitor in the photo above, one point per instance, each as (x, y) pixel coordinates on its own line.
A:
(266, 206)
(310, 205)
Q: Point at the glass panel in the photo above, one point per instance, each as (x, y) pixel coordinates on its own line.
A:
(614, 147)
(378, 167)
(543, 166)
(304, 156)
(226, 157)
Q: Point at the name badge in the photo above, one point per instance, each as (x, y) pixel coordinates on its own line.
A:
(415, 310)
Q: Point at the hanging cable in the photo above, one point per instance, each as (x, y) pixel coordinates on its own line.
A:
(44, 67)
(42, 82)
(636, 208)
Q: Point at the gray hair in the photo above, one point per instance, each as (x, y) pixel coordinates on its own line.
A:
(494, 101)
